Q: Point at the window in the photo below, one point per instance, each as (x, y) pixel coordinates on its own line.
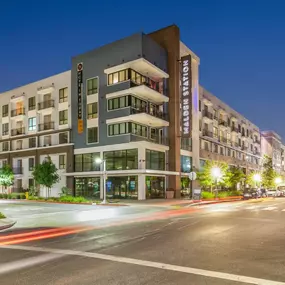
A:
(117, 103)
(185, 164)
(87, 162)
(155, 160)
(92, 111)
(215, 132)
(239, 128)
(31, 182)
(121, 159)
(117, 77)
(5, 111)
(5, 129)
(92, 136)
(215, 148)
(61, 161)
(206, 146)
(92, 86)
(19, 144)
(221, 151)
(229, 152)
(63, 138)
(247, 133)
(142, 131)
(32, 142)
(215, 114)
(31, 163)
(5, 146)
(32, 124)
(200, 105)
(47, 140)
(233, 154)
(118, 129)
(63, 95)
(32, 103)
(239, 142)
(63, 117)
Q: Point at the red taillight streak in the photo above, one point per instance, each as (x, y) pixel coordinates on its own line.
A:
(45, 236)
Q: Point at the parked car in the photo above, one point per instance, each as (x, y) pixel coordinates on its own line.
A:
(272, 193)
(247, 195)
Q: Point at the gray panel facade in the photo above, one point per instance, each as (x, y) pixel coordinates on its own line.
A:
(94, 64)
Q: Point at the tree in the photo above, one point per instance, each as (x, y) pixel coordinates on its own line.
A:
(235, 176)
(250, 180)
(206, 178)
(6, 176)
(45, 174)
(268, 173)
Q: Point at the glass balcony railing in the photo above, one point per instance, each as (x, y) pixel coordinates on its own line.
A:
(17, 132)
(18, 112)
(46, 104)
(152, 112)
(46, 126)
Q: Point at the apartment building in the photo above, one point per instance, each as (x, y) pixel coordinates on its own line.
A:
(36, 122)
(226, 135)
(271, 145)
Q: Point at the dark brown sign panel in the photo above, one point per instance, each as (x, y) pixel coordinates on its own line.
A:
(79, 97)
(186, 95)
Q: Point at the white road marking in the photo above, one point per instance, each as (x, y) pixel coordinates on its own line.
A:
(283, 210)
(133, 261)
(269, 208)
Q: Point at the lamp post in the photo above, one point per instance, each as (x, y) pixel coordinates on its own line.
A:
(256, 178)
(216, 174)
(103, 163)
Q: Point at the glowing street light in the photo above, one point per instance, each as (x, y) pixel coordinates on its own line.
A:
(256, 178)
(277, 180)
(103, 162)
(216, 174)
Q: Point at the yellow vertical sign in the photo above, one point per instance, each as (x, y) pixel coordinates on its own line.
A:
(80, 126)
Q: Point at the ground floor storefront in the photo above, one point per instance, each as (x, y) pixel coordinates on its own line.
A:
(122, 187)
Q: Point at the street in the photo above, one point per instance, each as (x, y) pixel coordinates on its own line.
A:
(229, 243)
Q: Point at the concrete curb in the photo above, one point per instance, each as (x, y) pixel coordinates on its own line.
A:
(6, 224)
(199, 203)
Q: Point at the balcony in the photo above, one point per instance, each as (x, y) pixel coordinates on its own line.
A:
(207, 133)
(208, 116)
(18, 112)
(46, 89)
(46, 126)
(18, 132)
(45, 105)
(18, 170)
(223, 123)
(222, 140)
(153, 139)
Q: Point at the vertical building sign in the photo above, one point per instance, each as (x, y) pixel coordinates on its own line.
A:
(79, 97)
(186, 95)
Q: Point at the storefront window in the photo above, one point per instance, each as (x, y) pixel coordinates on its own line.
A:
(87, 162)
(155, 187)
(155, 160)
(88, 187)
(121, 159)
(125, 187)
(185, 164)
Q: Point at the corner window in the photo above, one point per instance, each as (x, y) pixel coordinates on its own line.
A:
(62, 161)
(63, 117)
(118, 129)
(117, 103)
(5, 111)
(63, 95)
(92, 110)
(32, 124)
(92, 86)
(92, 135)
(32, 103)
(117, 77)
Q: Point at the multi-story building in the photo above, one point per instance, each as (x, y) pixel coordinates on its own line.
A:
(36, 122)
(272, 146)
(137, 105)
(226, 135)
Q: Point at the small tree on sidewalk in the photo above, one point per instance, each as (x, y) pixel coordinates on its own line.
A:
(45, 174)
(6, 176)
(268, 173)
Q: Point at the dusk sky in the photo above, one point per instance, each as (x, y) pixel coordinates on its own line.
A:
(241, 44)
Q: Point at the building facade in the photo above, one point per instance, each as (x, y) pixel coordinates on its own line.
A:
(137, 105)
(36, 122)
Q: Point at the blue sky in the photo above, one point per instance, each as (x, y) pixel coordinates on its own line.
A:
(241, 44)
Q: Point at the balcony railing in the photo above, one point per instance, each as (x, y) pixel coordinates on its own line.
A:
(18, 131)
(17, 112)
(18, 170)
(208, 114)
(223, 123)
(46, 104)
(46, 126)
(154, 139)
(222, 140)
(150, 84)
(207, 133)
(152, 112)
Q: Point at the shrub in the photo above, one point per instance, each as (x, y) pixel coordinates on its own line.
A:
(9, 196)
(71, 199)
(33, 191)
(15, 195)
(2, 216)
(5, 196)
(22, 196)
(33, 198)
(1, 196)
(207, 195)
(223, 194)
(65, 191)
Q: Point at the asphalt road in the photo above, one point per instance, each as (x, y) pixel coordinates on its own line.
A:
(230, 243)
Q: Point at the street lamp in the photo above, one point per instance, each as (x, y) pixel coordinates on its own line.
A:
(216, 174)
(257, 178)
(277, 180)
(103, 162)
